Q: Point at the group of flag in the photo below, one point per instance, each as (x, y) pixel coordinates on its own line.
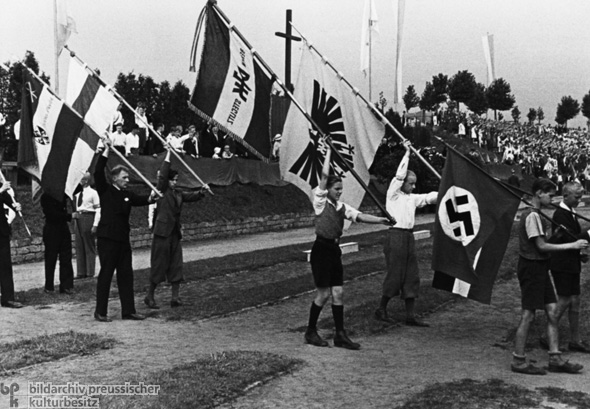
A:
(233, 88)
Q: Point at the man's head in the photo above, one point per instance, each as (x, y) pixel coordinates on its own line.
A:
(119, 127)
(135, 129)
(192, 130)
(172, 178)
(120, 176)
(572, 193)
(409, 182)
(85, 179)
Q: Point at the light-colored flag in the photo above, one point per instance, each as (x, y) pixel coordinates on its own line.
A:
(97, 106)
(50, 136)
(370, 33)
(353, 128)
(488, 51)
(399, 7)
(65, 25)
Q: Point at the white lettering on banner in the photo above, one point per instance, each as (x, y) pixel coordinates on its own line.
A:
(234, 111)
(236, 102)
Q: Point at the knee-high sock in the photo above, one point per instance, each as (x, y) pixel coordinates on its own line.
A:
(314, 314)
(338, 313)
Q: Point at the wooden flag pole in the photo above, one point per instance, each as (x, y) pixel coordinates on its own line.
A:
(123, 158)
(152, 130)
(382, 117)
(324, 136)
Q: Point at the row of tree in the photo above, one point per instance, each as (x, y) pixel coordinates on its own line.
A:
(461, 88)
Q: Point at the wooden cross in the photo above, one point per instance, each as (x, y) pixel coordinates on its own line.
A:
(288, 36)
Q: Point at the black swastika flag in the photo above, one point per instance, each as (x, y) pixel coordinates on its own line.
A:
(473, 221)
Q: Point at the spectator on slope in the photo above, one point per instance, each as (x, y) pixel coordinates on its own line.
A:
(226, 154)
(143, 123)
(326, 263)
(119, 139)
(132, 141)
(191, 145)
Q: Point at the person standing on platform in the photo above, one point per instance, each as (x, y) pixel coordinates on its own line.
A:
(86, 218)
(402, 277)
(114, 247)
(57, 239)
(326, 262)
(166, 256)
(6, 274)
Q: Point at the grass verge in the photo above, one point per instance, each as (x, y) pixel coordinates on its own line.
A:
(52, 347)
(492, 394)
(207, 382)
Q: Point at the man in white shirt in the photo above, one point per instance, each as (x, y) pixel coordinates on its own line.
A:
(86, 218)
(402, 276)
(132, 142)
(119, 139)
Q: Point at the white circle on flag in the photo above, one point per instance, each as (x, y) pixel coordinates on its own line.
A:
(458, 215)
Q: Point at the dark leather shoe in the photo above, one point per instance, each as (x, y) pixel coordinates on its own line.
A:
(102, 318)
(134, 317)
(12, 304)
(68, 291)
(312, 337)
(176, 303)
(46, 291)
(413, 322)
(381, 315)
(151, 303)
(341, 340)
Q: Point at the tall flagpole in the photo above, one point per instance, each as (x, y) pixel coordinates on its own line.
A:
(382, 117)
(119, 154)
(370, 46)
(152, 130)
(56, 82)
(324, 136)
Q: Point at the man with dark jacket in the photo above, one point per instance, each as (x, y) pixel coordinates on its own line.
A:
(566, 265)
(6, 278)
(114, 247)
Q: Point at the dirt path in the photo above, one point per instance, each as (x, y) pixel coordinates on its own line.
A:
(383, 373)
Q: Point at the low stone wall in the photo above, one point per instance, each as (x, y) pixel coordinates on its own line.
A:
(29, 250)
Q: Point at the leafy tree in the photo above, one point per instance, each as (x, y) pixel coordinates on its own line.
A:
(11, 84)
(428, 99)
(499, 97)
(440, 83)
(462, 87)
(478, 103)
(532, 115)
(515, 114)
(411, 99)
(586, 105)
(540, 115)
(567, 109)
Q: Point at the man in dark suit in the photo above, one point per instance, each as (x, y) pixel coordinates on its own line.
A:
(6, 278)
(192, 145)
(566, 265)
(57, 239)
(166, 257)
(114, 247)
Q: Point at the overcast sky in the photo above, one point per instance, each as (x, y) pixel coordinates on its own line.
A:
(541, 46)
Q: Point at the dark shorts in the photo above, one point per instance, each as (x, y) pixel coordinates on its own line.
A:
(566, 284)
(535, 284)
(326, 264)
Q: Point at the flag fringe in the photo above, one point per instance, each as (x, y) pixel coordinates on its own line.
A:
(235, 137)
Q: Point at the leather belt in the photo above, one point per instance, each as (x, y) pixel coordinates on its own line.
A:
(328, 241)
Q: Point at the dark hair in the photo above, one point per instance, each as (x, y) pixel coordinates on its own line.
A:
(118, 169)
(172, 174)
(332, 180)
(544, 185)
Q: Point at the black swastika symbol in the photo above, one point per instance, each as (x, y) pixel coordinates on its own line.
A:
(455, 216)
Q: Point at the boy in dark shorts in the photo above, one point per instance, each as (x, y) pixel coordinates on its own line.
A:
(326, 263)
(537, 291)
(566, 266)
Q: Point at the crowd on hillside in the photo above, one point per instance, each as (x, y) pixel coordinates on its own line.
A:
(203, 141)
